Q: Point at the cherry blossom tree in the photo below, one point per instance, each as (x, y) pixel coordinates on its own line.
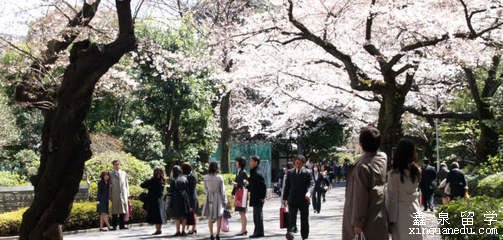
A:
(65, 139)
(396, 54)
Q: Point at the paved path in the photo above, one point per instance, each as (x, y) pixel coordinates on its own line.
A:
(326, 225)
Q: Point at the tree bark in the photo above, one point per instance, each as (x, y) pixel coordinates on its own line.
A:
(389, 122)
(65, 140)
(225, 133)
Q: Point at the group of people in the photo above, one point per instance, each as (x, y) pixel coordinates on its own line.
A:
(379, 201)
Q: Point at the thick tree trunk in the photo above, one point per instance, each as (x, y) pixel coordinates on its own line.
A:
(389, 123)
(65, 140)
(225, 133)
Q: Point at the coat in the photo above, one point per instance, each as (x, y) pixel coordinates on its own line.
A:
(154, 202)
(214, 205)
(320, 182)
(457, 183)
(241, 176)
(180, 204)
(103, 196)
(402, 203)
(119, 191)
(364, 205)
(193, 199)
(428, 177)
(297, 186)
(257, 188)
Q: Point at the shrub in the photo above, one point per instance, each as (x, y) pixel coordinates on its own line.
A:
(491, 186)
(144, 142)
(137, 170)
(29, 161)
(82, 216)
(479, 205)
(493, 165)
(11, 179)
(473, 181)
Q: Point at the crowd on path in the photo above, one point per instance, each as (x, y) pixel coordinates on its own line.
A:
(378, 202)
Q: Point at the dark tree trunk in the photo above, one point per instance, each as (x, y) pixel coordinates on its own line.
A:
(65, 140)
(225, 134)
(389, 122)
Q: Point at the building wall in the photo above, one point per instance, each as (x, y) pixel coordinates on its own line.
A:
(13, 198)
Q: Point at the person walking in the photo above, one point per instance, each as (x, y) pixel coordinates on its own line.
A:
(402, 194)
(193, 199)
(427, 185)
(119, 194)
(297, 194)
(457, 181)
(154, 204)
(180, 206)
(216, 199)
(240, 183)
(364, 208)
(442, 182)
(258, 190)
(320, 183)
(103, 200)
(346, 166)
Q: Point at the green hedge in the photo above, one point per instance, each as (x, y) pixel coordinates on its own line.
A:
(11, 179)
(491, 186)
(137, 170)
(479, 205)
(82, 216)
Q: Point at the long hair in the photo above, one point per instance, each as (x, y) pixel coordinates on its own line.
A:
(406, 158)
(103, 174)
(159, 175)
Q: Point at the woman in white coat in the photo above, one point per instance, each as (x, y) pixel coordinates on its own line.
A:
(402, 194)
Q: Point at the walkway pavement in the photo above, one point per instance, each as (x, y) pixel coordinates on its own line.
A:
(326, 225)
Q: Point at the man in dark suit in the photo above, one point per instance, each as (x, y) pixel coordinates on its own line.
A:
(297, 194)
(427, 185)
(457, 181)
(257, 190)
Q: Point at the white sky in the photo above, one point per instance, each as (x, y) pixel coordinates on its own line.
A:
(16, 14)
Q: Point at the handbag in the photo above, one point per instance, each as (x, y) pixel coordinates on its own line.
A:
(283, 217)
(224, 224)
(227, 214)
(241, 198)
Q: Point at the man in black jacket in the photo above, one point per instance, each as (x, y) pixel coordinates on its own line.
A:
(257, 190)
(457, 181)
(427, 185)
(297, 194)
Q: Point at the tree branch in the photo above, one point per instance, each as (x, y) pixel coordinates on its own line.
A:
(443, 115)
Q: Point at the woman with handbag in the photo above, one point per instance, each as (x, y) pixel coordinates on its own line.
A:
(239, 189)
(103, 200)
(153, 203)
(402, 195)
(216, 199)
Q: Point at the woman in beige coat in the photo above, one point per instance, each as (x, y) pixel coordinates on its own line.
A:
(364, 208)
(402, 195)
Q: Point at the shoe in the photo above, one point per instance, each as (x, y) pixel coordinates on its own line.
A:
(113, 229)
(157, 233)
(212, 238)
(192, 232)
(257, 236)
(124, 228)
(242, 233)
(183, 233)
(289, 236)
(103, 229)
(177, 234)
(218, 237)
